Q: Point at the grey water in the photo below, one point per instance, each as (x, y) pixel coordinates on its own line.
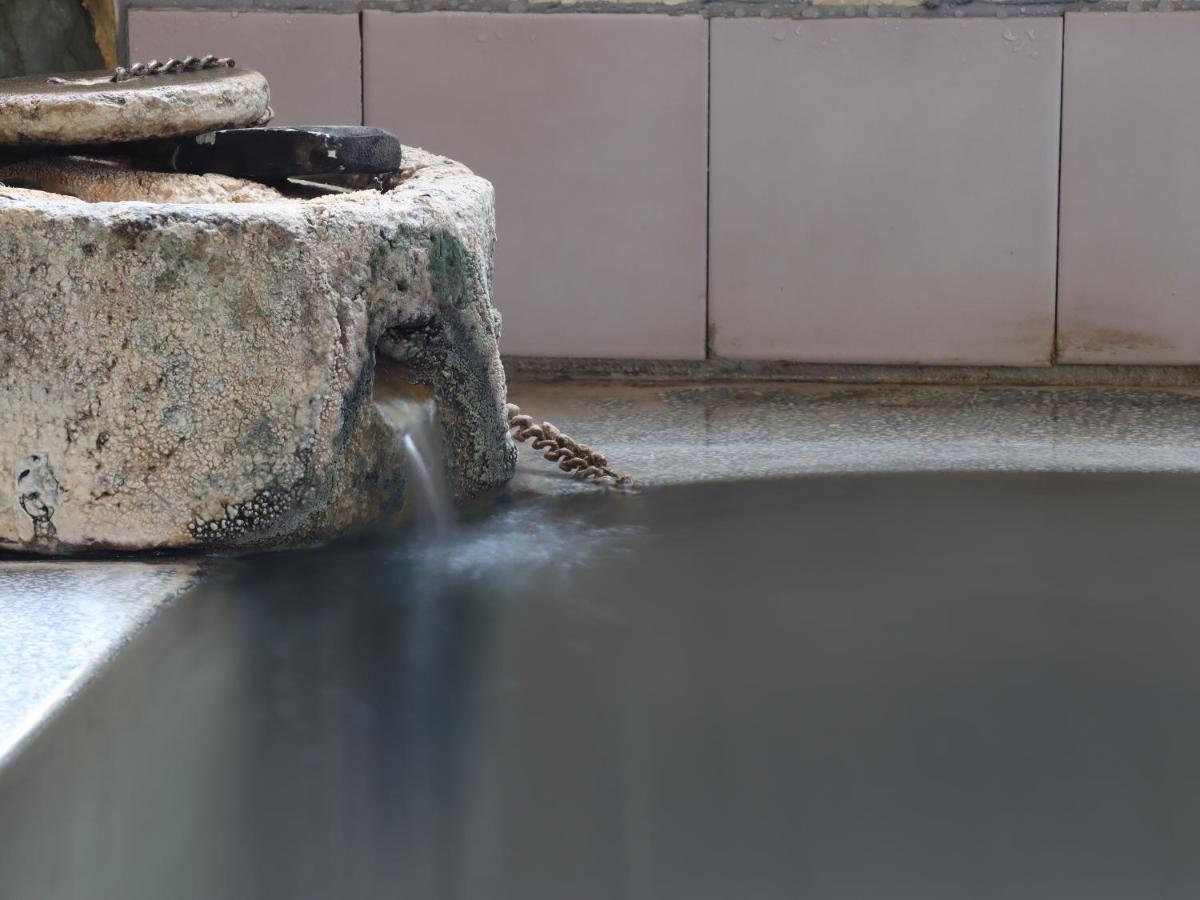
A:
(888, 686)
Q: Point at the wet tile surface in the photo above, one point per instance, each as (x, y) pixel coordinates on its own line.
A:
(312, 60)
(593, 129)
(884, 190)
(674, 434)
(60, 622)
(1130, 273)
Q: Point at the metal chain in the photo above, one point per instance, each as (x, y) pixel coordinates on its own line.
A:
(578, 460)
(154, 67)
(187, 64)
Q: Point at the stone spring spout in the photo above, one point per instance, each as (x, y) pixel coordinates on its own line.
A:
(187, 361)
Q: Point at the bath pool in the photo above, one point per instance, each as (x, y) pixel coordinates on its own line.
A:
(932, 685)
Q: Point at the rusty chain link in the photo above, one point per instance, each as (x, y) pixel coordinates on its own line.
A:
(154, 67)
(574, 458)
(187, 64)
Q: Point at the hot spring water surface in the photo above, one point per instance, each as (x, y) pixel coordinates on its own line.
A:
(899, 686)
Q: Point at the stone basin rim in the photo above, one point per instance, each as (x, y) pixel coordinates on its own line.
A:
(198, 375)
(420, 168)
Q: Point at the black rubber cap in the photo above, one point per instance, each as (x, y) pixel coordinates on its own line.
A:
(282, 152)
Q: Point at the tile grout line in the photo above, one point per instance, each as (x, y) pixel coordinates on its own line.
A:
(1062, 90)
(122, 24)
(708, 350)
(362, 70)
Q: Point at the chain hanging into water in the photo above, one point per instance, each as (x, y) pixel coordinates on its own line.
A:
(154, 67)
(577, 459)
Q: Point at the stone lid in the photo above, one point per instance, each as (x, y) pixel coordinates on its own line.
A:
(92, 108)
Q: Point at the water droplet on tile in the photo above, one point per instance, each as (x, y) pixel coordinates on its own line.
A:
(779, 35)
(482, 37)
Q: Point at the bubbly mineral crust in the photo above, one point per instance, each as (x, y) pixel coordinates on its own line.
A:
(192, 374)
(100, 181)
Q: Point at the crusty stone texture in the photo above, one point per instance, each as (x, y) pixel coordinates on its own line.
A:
(100, 181)
(91, 109)
(199, 375)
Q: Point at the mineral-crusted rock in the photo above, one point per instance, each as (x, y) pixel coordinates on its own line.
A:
(99, 181)
(191, 374)
(90, 108)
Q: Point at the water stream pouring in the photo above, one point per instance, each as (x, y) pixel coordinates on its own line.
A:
(414, 418)
(428, 491)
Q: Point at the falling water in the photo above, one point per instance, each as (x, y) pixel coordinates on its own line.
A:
(427, 477)
(412, 412)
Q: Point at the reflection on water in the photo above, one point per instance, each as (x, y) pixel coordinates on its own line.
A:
(898, 686)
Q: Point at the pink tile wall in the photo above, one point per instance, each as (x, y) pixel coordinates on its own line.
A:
(593, 130)
(881, 190)
(312, 60)
(884, 190)
(1129, 265)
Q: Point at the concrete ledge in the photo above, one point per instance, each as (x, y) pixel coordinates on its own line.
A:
(60, 625)
(648, 370)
